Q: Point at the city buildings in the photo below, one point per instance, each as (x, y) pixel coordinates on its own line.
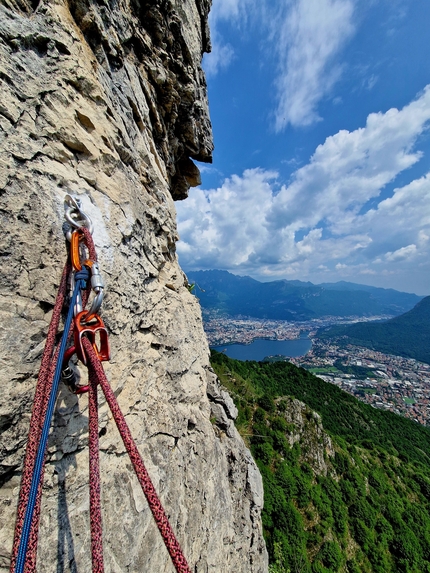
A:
(395, 383)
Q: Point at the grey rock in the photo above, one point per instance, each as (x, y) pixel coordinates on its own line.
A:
(219, 395)
(108, 101)
(218, 412)
(230, 408)
(307, 429)
(255, 484)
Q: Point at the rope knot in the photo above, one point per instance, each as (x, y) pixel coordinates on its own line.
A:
(83, 275)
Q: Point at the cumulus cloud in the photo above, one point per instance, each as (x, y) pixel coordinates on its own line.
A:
(310, 35)
(399, 224)
(350, 168)
(319, 222)
(403, 253)
(220, 228)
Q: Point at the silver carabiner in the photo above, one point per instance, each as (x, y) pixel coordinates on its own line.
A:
(97, 286)
(96, 304)
(75, 216)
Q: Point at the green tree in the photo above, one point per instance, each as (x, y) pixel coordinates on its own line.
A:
(330, 555)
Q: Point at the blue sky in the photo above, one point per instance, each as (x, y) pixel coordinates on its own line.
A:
(321, 117)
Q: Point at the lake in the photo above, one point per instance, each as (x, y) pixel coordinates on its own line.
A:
(260, 348)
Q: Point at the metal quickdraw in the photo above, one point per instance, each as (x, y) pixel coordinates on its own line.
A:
(84, 264)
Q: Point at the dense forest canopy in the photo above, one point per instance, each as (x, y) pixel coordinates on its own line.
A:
(367, 509)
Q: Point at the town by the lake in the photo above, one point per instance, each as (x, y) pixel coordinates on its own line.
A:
(388, 382)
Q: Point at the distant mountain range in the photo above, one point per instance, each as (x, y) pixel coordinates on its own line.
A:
(406, 335)
(233, 295)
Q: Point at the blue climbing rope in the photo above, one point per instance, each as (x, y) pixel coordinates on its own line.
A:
(81, 278)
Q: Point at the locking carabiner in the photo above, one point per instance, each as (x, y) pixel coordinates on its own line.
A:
(97, 283)
(75, 255)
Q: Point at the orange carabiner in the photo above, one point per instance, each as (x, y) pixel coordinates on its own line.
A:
(75, 255)
(74, 250)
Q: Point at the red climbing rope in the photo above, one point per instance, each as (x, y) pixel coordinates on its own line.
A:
(95, 503)
(87, 324)
(98, 376)
(40, 401)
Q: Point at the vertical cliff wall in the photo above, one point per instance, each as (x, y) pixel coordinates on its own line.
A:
(107, 100)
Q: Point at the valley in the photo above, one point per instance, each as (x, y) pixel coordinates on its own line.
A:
(387, 382)
(372, 343)
(221, 329)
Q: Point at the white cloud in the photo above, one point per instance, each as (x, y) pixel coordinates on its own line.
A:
(222, 54)
(319, 222)
(307, 37)
(400, 225)
(371, 82)
(350, 168)
(221, 228)
(403, 253)
(220, 57)
(311, 34)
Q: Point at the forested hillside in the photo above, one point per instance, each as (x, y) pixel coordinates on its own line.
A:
(406, 335)
(347, 487)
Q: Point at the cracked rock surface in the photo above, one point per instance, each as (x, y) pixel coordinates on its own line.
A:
(107, 100)
(306, 428)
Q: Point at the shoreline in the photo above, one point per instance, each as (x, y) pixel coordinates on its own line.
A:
(287, 348)
(261, 338)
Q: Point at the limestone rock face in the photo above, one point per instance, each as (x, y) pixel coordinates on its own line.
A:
(107, 100)
(307, 430)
